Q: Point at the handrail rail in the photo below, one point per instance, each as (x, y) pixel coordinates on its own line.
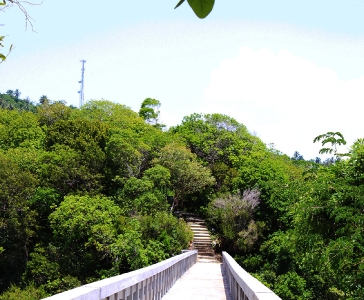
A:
(243, 285)
(147, 283)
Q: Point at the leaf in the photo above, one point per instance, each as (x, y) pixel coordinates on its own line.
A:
(201, 7)
(179, 3)
(3, 3)
(325, 151)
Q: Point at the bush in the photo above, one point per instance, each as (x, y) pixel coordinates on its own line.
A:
(31, 292)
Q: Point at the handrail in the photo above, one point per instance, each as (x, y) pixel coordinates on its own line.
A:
(149, 283)
(242, 285)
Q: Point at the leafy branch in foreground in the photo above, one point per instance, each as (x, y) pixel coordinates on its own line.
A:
(20, 4)
(4, 56)
(28, 20)
(335, 138)
(202, 8)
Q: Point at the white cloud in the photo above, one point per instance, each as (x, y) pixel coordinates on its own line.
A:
(286, 99)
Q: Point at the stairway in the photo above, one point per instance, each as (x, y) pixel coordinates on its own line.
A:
(201, 237)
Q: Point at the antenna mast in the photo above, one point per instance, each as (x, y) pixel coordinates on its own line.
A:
(81, 82)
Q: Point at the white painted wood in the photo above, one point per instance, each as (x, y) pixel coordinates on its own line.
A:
(203, 281)
(242, 284)
(153, 282)
(128, 286)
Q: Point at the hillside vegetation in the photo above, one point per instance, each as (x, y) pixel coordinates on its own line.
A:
(84, 196)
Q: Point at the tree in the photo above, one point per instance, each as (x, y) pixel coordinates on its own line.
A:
(215, 137)
(126, 154)
(11, 101)
(48, 113)
(17, 220)
(85, 228)
(44, 100)
(149, 111)
(187, 174)
(140, 197)
(20, 129)
(297, 156)
(328, 225)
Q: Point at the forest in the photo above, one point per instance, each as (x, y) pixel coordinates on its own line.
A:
(83, 196)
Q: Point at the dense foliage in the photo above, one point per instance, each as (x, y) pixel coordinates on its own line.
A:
(84, 196)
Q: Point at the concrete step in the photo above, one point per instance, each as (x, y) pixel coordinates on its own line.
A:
(201, 234)
(196, 221)
(207, 259)
(202, 246)
(203, 228)
(204, 250)
(210, 251)
(202, 239)
(207, 255)
(204, 242)
(204, 231)
(197, 226)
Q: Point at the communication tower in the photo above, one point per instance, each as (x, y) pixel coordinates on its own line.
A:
(81, 82)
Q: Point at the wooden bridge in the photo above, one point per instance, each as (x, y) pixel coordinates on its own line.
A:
(179, 277)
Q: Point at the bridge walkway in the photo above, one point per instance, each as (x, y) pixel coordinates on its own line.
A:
(204, 280)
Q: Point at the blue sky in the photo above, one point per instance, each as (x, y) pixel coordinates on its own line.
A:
(288, 70)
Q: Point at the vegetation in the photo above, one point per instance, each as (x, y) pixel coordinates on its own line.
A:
(21, 5)
(84, 196)
(201, 8)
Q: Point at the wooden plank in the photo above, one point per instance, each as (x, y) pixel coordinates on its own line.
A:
(202, 281)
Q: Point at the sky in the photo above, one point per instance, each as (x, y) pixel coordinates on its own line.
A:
(287, 70)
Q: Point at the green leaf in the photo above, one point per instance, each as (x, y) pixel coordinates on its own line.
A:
(201, 7)
(3, 3)
(179, 3)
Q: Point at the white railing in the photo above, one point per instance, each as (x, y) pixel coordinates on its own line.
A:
(242, 285)
(149, 283)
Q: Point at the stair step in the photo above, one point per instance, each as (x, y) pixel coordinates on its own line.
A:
(203, 228)
(196, 221)
(207, 259)
(197, 226)
(201, 237)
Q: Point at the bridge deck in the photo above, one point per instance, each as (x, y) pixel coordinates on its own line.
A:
(202, 281)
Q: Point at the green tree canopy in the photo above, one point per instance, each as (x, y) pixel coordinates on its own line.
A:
(187, 174)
